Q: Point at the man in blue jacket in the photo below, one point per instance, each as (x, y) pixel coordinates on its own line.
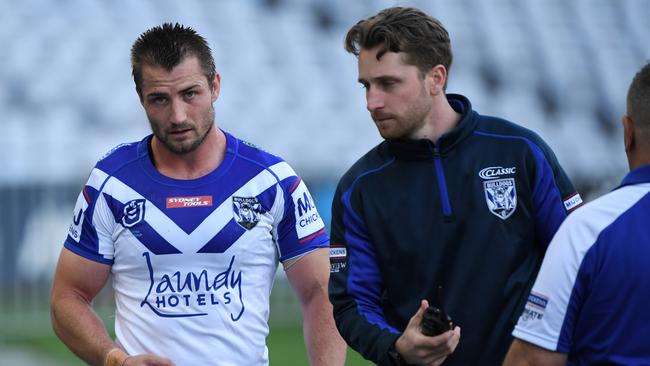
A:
(450, 199)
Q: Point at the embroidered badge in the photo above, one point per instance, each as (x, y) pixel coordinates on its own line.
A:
(501, 197)
(133, 212)
(246, 211)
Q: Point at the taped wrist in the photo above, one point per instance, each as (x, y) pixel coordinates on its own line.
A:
(115, 357)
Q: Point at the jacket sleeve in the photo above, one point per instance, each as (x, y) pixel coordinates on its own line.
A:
(356, 286)
(554, 195)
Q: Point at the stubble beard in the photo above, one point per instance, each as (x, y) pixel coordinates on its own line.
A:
(182, 148)
(407, 125)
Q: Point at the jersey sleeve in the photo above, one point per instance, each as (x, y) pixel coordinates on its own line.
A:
(300, 229)
(89, 234)
(554, 195)
(560, 288)
(355, 284)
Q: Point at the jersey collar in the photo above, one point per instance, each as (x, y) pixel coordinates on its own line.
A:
(636, 176)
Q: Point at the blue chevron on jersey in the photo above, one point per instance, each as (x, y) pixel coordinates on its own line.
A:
(202, 251)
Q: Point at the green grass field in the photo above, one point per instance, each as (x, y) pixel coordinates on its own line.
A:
(33, 333)
(25, 324)
(285, 348)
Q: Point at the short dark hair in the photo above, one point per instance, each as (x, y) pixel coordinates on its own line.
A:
(167, 45)
(423, 39)
(638, 98)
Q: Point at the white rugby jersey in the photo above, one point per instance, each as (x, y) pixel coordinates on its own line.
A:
(590, 299)
(193, 261)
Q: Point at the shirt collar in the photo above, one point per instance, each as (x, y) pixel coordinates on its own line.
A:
(636, 176)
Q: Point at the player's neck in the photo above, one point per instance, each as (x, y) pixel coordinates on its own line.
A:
(195, 164)
(443, 118)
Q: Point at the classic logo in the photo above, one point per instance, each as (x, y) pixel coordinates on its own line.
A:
(501, 197)
(133, 212)
(496, 171)
(246, 211)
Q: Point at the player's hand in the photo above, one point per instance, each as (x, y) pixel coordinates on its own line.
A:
(147, 360)
(418, 349)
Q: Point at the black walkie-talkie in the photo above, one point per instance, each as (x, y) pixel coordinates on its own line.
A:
(435, 321)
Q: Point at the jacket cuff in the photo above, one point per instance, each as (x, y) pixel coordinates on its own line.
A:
(384, 346)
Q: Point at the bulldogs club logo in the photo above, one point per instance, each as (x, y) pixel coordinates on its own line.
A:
(246, 211)
(501, 197)
(133, 213)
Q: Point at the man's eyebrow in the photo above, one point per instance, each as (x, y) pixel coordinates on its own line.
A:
(156, 94)
(379, 78)
(189, 88)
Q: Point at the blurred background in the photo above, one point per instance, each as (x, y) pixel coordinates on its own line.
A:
(559, 67)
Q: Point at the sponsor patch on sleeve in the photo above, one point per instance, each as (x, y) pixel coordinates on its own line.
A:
(74, 231)
(535, 307)
(573, 201)
(308, 221)
(338, 256)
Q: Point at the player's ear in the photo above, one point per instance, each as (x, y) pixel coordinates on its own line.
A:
(215, 86)
(436, 79)
(628, 133)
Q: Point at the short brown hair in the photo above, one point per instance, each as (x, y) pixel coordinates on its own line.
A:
(638, 98)
(423, 39)
(167, 46)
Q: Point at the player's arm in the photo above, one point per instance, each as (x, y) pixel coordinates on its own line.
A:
(77, 281)
(554, 195)
(356, 287)
(309, 276)
(526, 354)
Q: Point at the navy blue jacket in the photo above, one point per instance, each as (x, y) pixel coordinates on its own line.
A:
(473, 213)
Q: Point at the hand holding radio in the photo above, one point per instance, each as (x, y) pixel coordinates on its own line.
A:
(435, 320)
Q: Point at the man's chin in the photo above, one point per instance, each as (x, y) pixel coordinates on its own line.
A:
(181, 148)
(388, 134)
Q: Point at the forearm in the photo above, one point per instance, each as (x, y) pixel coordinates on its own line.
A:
(80, 328)
(522, 353)
(324, 344)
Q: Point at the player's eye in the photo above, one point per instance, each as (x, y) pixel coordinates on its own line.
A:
(159, 100)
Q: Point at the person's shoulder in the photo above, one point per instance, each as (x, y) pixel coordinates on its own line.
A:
(607, 208)
(258, 159)
(253, 153)
(118, 156)
(497, 126)
(591, 225)
(373, 161)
